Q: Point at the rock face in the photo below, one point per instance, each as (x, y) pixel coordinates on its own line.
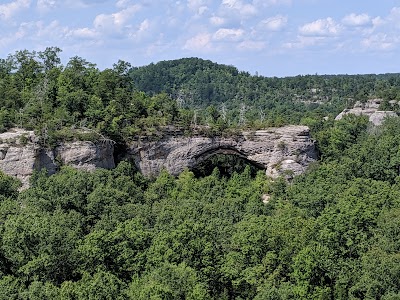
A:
(286, 150)
(20, 155)
(86, 155)
(370, 109)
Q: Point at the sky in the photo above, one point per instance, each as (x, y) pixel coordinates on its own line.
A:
(264, 37)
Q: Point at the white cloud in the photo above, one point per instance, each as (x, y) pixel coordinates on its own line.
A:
(197, 5)
(383, 35)
(228, 34)
(321, 27)
(244, 9)
(357, 20)
(200, 42)
(142, 31)
(377, 21)
(123, 3)
(144, 26)
(217, 21)
(271, 2)
(252, 45)
(8, 10)
(116, 21)
(276, 23)
(9, 39)
(304, 41)
(46, 5)
(393, 19)
(52, 31)
(380, 41)
(83, 33)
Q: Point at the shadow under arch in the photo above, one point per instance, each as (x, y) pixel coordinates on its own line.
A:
(227, 159)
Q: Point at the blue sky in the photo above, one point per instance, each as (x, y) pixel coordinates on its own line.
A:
(271, 37)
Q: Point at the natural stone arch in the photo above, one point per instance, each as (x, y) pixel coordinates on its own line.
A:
(287, 147)
(274, 149)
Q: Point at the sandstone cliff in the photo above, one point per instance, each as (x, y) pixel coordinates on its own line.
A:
(286, 150)
(20, 155)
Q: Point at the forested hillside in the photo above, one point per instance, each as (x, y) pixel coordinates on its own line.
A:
(331, 233)
(198, 84)
(38, 92)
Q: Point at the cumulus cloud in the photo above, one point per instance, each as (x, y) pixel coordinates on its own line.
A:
(9, 39)
(83, 33)
(8, 10)
(200, 42)
(393, 19)
(123, 3)
(322, 28)
(383, 35)
(46, 5)
(142, 30)
(116, 21)
(276, 23)
(50, 31)
(304, 41)
(357, 20)
(251, 45)
(217, 21)
(271, 2)
(198, 6)
(380, 41)
(228, 34)
(244, 9)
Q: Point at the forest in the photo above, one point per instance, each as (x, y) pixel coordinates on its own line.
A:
(331, 233)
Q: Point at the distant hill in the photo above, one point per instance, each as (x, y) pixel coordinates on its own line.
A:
(198, 83)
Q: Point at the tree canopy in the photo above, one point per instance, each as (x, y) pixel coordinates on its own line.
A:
(331, 233)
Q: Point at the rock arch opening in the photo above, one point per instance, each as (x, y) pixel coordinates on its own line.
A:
(228, 161)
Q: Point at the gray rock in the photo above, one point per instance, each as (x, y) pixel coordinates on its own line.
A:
(378, 117)
(286, 150)
(86, 155)
(370, 110)
(20, 155)
(273, 149)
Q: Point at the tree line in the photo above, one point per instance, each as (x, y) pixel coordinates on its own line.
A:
(38, 92)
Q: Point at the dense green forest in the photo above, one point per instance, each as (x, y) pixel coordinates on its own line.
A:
(331, 233)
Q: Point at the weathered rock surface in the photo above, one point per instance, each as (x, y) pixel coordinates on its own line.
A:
(370, 109)
(86, 155)
(20, 155)
(286, 150)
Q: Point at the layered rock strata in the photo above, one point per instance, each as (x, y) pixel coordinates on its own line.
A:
(287, 150)
(20, 155)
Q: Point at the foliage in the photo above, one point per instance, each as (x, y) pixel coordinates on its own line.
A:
(332, 233)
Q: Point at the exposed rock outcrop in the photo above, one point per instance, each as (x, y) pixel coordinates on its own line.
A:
(370, 109)
(20, 155)
(286, 150)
